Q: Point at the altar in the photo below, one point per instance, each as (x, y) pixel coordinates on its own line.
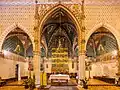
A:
(59, 78)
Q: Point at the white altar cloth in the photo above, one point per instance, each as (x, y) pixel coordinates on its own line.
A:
(59, 77)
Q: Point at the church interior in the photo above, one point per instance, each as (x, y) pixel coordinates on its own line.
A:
(59, 44)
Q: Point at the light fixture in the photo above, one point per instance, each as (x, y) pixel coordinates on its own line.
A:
(114, 53)
(5, 52)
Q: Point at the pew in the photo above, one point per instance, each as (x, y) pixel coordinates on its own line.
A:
(105, 79)
(2, 82)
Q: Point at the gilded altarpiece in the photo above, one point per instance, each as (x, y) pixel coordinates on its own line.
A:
(60, 60)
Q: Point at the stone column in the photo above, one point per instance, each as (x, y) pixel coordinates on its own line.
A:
(81, 44)
(36, 65)
(81, 66)
(81, 59)
(36, 57)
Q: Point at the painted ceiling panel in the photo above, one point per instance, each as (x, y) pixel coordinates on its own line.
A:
(17, 41)
(100, 42)
(11, 44)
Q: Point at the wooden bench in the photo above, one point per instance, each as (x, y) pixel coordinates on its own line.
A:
(106, 79)
(9, 80)
(2, 83)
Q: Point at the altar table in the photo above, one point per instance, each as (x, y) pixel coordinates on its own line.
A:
(59, 78)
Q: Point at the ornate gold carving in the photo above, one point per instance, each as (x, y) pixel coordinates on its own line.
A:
(74, 8)
(83, 29)
(44, 8)
(83, 41)
(36, 41)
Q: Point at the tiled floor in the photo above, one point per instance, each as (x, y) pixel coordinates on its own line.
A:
(91, 81)
(13, 87)
(105, 87)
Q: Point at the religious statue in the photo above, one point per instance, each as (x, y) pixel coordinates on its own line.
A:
(17, 49)
(59, 44)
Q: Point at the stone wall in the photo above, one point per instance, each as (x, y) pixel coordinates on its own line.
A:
(7, 68)
(21, 16)
(104, 69)
(102, 16)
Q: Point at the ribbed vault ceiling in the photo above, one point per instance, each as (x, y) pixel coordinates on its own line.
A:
(100, 42)
(18, 40)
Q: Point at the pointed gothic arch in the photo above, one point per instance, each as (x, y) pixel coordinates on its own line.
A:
(52, 10)
(10, 28)
(107, 26)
